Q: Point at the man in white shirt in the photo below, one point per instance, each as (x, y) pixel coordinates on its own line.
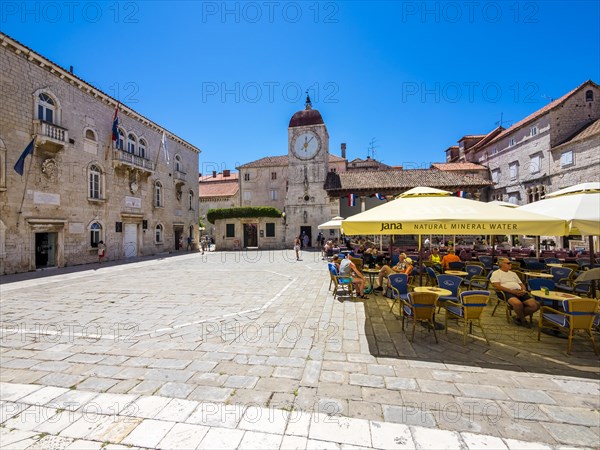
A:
(507, 281)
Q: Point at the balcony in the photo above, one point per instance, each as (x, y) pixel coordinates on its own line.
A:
(179, 177)
(49, 136)
(129, 160)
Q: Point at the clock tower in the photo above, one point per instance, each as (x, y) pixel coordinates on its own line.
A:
(306, 201)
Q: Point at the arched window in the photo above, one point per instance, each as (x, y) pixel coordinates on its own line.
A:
(589, 96)
(191, 200)
(95, 234)
(158, 194)
(120, 144)
(89, 134)
(158, 234)
(46, 108)
(142, 148)
(178, 164)
(131, 143)
(94, 182)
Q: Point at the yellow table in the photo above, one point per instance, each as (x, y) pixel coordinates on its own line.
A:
(554, 265)
(436, 290)
(554, 296)
(458, 273)
(538, 275)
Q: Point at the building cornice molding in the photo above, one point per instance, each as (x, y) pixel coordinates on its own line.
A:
(54, 69)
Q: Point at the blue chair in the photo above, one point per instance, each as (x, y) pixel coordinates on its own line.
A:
(431, 275)
(452, 283)
(561, 275)
(583, 262)
(487, 261)
(339, 282)
(399, 284)
(551, 260)
(479, 282)
(470, 309)
(456, 265)
(578, 314)
(472, 271)
(535, 284)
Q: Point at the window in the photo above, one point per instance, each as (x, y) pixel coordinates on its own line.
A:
(566, 158)
(158, 234)
(230, 230)
(120, 143)
(589, 96)
(178, 164)
(494, 150)
(95, 234)
(273, 194)
(495, 175)
(46, 108)
(95, 182)
(535, 164)
(246, 177)
(247, 195)
(513, 170)
(158, 194)
(511, 142)
(270, 230)
(273, 175)
(142, 148)
(534, 131)
(191, 200)
(513, 198)
(89, 134)
(131, 141)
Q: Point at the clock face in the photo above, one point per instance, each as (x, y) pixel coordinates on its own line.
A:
(306, 145)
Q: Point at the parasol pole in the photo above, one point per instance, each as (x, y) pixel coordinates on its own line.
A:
(421, 260)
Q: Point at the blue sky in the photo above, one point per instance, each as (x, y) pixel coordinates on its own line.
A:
(227, 77)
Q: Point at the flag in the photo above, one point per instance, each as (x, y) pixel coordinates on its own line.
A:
(115, 129)
(461, 194)
(378, 196)
(352, 200)
(20, 164)
(163, 143)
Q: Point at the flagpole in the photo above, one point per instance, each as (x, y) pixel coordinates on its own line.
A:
(158, 153)
(25, 188)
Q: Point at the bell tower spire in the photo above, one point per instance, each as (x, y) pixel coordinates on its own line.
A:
(308, 102)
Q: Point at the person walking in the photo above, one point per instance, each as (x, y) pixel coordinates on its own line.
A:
(297, 246)
(101, 251)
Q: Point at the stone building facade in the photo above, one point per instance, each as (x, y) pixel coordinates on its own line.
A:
(217, 191)
(555, 147)
(138, 194)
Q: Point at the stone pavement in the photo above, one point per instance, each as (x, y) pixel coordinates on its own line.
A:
(250, 350)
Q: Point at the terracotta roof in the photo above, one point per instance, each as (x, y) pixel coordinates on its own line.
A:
(472, 136)
(458, 166)
(273, 161)
(540, 112)
(223, 189)
(588, 130)
(218, 178)
(488, 138)
(399, 180)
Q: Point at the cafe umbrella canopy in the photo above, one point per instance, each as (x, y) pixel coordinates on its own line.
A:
(424, 210)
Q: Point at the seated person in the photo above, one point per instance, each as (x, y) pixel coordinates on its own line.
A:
(347, 268)
(450, 257)
(507, 281)
(436, 259)
(404, 266)
(328, 249)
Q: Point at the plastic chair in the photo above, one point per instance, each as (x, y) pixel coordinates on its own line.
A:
(339, 282)
(420, 307)
(452, 283)
(472, 271)
(399, 284)
(487, 261)
(456, 265)
(561, 275)
(579, 314)
(470, 309)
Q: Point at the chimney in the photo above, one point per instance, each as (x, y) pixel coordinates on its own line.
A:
(226, 173)
(214, 174)
(71, 69)
(344, 150)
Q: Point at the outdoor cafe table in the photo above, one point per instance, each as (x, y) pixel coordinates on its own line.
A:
(538, 275)
(554, 265)
(371, 273)
(458, 273)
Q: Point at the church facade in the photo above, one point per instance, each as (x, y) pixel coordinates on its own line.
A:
(66, 185)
